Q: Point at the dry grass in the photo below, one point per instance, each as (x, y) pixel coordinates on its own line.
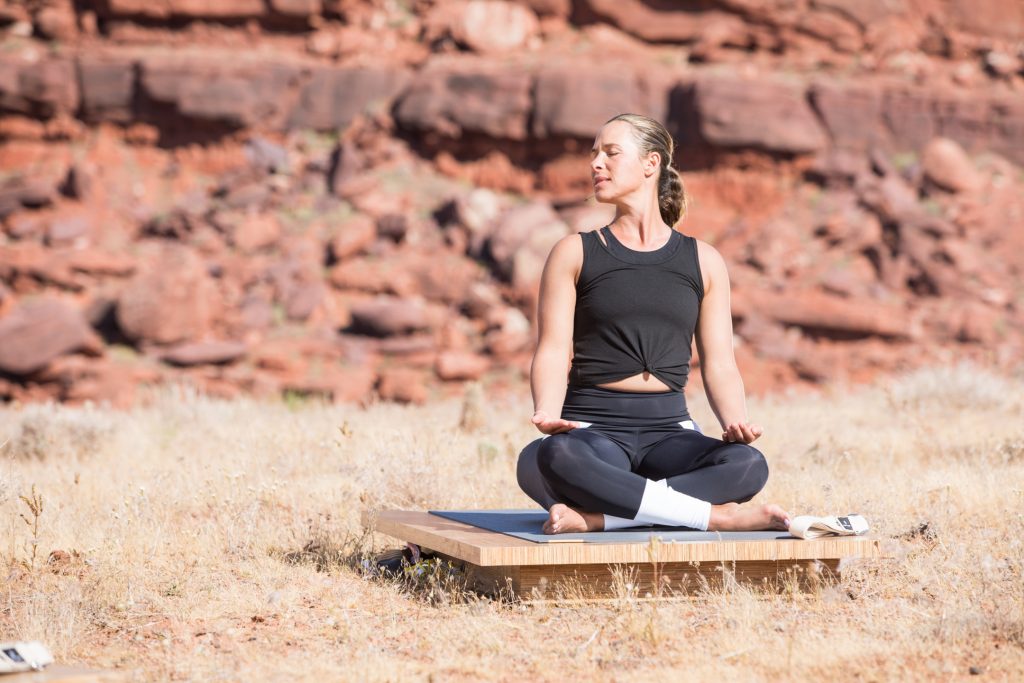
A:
(208, 540)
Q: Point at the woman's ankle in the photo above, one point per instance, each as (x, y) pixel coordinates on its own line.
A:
(722, 517)
(595, 520)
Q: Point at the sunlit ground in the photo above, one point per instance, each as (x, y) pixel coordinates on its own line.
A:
(205, 540)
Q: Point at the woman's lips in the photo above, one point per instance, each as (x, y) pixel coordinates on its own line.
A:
(598, 181)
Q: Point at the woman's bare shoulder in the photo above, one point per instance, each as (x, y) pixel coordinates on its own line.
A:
(568, 250)
(712, 265)
(708, 255)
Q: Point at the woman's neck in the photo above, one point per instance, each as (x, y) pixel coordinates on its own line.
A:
(640, 223)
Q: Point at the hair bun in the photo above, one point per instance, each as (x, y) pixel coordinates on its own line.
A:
(672, 198)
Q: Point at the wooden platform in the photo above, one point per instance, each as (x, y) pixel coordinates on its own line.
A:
(499, 562)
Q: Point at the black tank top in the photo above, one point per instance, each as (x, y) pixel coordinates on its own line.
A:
(635, 310)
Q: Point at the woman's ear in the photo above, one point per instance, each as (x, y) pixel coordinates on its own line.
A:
(652, 163)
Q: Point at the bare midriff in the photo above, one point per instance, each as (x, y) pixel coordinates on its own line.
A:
(644, 381)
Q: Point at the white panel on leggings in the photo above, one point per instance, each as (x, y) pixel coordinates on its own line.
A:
(661, 504)
(690, 424)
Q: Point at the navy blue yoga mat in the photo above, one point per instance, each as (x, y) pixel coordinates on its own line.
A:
(526, 524)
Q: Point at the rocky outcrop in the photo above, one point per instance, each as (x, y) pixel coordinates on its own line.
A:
(771, 116)
(38, 87)
(108, 88)
(204, 353)
(658, 23)
(331, 98)
(987, 17)
(520, 242)
(575, 100)
(461, 365)
(389, 316)
(171, 300)
(355, 200)
(454, 100)
(168, 9)
(821, 313)
(490, 26)
(235, 95)
(38, 331)
(946, 164)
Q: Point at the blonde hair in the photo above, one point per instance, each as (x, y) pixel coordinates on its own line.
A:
(651, 136)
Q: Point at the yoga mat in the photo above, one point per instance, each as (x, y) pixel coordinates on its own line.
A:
(526, 524)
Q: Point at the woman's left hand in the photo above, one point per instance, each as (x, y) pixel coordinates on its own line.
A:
(742, 432)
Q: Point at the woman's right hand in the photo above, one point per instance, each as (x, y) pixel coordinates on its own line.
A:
(552, 425)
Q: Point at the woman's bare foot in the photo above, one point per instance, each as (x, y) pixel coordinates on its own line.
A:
(733, 517)
(563, 519)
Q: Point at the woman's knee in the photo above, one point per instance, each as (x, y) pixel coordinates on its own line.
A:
(761, 466)
(557, 456)
(529, 476)
(755, 473)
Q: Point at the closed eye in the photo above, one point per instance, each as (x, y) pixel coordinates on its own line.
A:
(593, 152)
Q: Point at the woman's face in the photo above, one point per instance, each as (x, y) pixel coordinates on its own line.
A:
(615, 164)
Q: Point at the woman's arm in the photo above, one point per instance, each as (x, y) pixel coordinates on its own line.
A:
(722, 381)
(549, 371)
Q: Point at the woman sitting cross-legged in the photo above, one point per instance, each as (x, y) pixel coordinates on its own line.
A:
(619, 307)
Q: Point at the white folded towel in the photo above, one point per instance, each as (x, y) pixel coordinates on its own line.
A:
(809, 526)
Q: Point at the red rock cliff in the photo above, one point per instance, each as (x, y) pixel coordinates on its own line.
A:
(355, 198)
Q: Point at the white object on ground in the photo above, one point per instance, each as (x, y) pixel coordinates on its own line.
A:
(809, 526)
(23, 656)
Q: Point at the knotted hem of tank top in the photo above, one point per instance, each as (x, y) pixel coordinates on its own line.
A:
(615, 378)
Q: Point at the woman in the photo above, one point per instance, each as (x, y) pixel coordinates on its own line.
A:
(624, 302)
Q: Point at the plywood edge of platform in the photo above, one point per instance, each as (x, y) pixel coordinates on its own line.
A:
(452, 538)
(490, 549)
(691, 551)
